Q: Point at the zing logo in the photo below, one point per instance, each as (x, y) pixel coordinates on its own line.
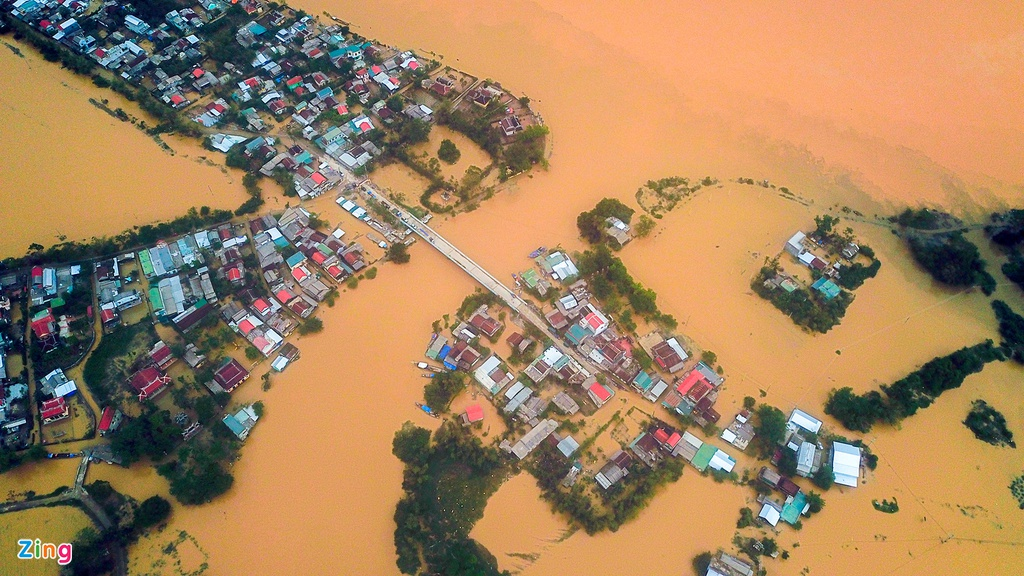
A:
(36, 550)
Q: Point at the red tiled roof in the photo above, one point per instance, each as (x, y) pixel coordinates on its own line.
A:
(148, 382)
(160, 353)
(692, 378)
(674, 439)
(474, 413)
(284, 296)
(661, 435)
(230, 375)
(54, 409)
(594, 321)
(318, 178)
(106, 419)
(234, 274)
(261, 305)
(107, 315)
(600, 391)
(245, 326)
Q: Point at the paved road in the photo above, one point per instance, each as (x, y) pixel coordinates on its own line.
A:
(525, 309)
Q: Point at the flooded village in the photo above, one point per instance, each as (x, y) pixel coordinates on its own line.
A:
(682, 402)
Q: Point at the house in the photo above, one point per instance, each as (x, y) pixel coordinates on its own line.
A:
(618, 230)
(565, 403)
(850, 251)
(805, 459)
(510, 125)
(599, 393)
(826, 287)
(485, 324)
(473, 413)
(800, 420)
(241, 422)
(533, 438)
(192, 356)
(725, 565)
(492, 376)
(109, 420)
(230, 375)
(649, 385)
(518, 343)
(669, 355)
(770, 513)
(846, 464)
(462, 356)
(795, 244)
(149, 382)
(567, 446)
(740, 432)
(614, 470)
(53, 410)
(161, 355)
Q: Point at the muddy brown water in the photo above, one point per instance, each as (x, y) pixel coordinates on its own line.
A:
(866, 108)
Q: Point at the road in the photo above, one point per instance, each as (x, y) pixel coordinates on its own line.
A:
(92, 509)
(527, 310)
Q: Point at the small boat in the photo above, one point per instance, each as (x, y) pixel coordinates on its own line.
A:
(431, 367)
(538, 252)
(428, 374)
(427, 409)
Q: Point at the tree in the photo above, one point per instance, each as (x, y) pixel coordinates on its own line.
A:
(825, 224)
(151, 512)
(814, 502)
(311, 325)
(448, 152)
(701, 562)
(824, 477)
(439, 392)
(787, 462)
(644, 226)
(770, 428)
(251, 353)
(709, 357)
(398, 253)
(411, 444)
(395, 103)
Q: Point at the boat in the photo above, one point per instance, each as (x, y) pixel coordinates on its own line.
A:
(428, 374)
(431, 367)
(538, 252)
(427, 409)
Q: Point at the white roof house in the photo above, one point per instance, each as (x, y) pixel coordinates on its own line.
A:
(805, 459)
(846, 464)
(722, 461)
(770, 513)
(801, 419)
(795, 245)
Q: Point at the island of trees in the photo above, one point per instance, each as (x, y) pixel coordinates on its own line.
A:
(944, 252)
(989, 425)
(906, 396)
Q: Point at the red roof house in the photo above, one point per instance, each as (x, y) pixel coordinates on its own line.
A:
(162, 355)
(149, 382)
(474, 413)
(54, 409)
(230, 375)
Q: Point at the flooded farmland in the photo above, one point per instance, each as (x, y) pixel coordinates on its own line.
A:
(913, 106)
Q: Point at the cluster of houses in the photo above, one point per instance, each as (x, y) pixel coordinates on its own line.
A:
(810, 454)
(807, 251)
(112, 290)
(46, 290)
(14, 408)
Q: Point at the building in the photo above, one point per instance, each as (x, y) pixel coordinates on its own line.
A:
(770, 512)
(241, 422)
(53, 410)
(669, 355)
(805, 459)
(533, 438)
(492, 376)
(795, 245)
(846, 464)
(149, 382)
(800, 420)
(230, 375)
(616, 469)
(161, 355)
(725, 565)
(110, 419)
(599, 393)
(473, 413)
(565, 403)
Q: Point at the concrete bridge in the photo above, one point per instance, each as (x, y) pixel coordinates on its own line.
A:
(525, 309)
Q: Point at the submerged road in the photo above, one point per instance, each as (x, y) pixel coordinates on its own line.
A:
(527, 310)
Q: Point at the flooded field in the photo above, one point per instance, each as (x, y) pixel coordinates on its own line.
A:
(71, 171)
(912, 106)
(55, 525)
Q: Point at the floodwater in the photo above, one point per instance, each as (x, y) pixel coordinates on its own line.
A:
(71, 171)
(55, 525)
(866, 108)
